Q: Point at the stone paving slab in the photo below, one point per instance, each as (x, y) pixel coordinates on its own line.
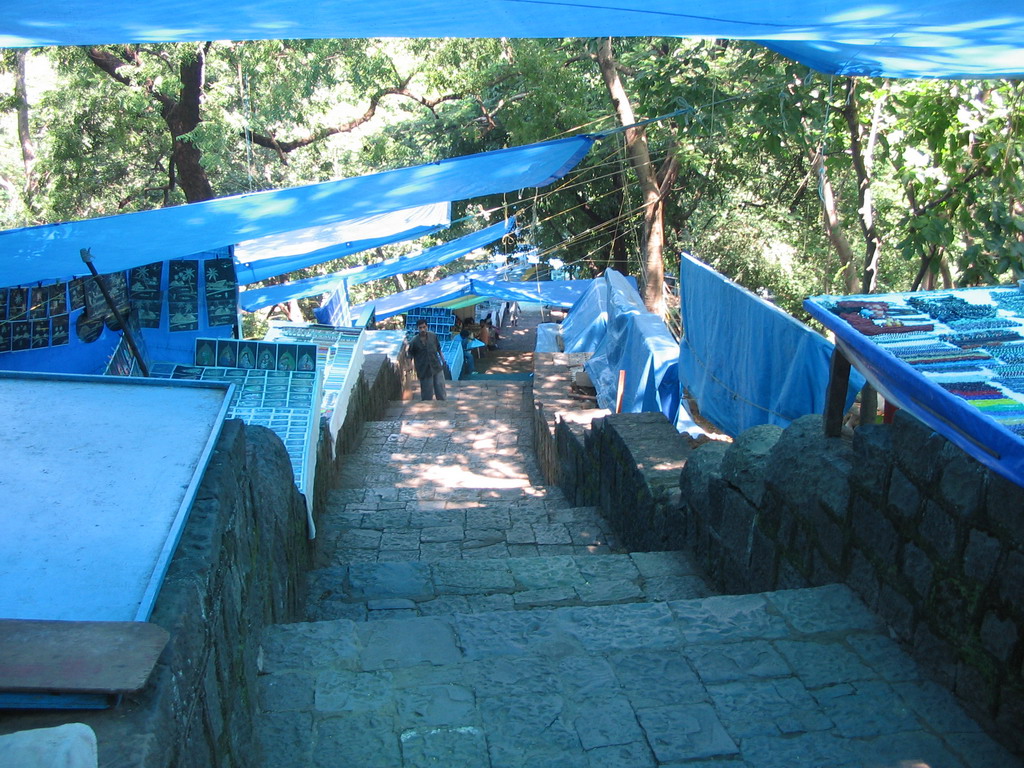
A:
(788, 679)
(397, 524)
(383, 589)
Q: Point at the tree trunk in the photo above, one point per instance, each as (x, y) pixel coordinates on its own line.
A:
(863, 162)
(833, 227)
(182, 117)
(28, 149)
(181, 114)
(639, 155)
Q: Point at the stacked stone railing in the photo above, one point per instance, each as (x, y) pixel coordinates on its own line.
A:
(931, 541)
(628, 464)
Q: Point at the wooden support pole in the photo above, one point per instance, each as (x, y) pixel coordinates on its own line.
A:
(835, 398)
(868, 405)
(87, 258)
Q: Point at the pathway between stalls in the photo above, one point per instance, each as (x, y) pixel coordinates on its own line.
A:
(464, 615)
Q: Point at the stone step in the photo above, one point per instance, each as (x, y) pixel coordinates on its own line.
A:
(385, 590)
(454, 527)
(798, 678)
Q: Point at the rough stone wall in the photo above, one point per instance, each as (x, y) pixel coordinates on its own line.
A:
(239, 566)
(550, 400)
(639, 456)
(931, 540)
(628, 464)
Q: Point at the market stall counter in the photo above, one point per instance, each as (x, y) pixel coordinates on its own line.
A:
(953, 359)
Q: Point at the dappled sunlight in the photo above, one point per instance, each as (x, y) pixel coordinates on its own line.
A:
(665, 465)
(462, 477)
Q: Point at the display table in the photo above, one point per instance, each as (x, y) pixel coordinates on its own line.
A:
(953, 359)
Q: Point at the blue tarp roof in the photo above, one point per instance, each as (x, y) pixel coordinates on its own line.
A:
(485, 283)
(52, 252)
(625, 337)
(899, 38)
(290, 251)
(258, 298)
(551, 293)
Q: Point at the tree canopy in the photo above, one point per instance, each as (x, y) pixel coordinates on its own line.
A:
(789, 181)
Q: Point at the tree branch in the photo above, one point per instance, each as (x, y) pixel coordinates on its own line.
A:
(284, 147)
(112, 64)
(109, 63)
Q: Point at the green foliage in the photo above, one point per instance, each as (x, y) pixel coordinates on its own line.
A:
(743, 126)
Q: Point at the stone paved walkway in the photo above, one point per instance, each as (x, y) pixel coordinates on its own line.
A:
(462, 615)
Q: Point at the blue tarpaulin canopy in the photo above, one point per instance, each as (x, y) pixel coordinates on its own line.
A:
(52, 252)
(637, 342)
(744, 360)
(900, 38)
(551, 293)
(290, 251)
(484, 283)
(258, 298)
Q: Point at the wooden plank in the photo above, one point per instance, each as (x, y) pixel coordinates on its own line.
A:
(835, 399)
(107, 657)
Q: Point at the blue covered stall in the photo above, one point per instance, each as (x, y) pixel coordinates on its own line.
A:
(744, 360)
(481, 283)
(176, 262)
(953, 359)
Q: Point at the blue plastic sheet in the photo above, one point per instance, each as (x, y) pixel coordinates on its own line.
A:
(587, 320)
(290, 251)
(744, 360)
(53, 252)
(485, 284)
(898, 38)
(266, 296)
(637, 342)
(963, 424)
(551, 293)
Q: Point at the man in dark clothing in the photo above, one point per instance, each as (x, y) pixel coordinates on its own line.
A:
(425, 350)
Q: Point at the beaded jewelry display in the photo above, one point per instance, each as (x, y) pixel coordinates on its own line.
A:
(947, 308)
(970, 344)
(1009, 353)
(938, 354)
(1010, 299)
(977, 324)
(980, 338)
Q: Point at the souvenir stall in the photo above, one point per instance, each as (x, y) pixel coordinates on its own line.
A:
(954, 359)
(276, 385)
(340, 354)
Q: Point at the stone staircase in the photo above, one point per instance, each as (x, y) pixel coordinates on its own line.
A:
(464, 615)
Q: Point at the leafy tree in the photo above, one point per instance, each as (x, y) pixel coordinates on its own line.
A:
(788, 180)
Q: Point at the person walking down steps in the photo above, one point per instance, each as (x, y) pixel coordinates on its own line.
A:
(426, 357)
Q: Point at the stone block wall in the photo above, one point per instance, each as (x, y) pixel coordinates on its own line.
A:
(550, 400)
(627, 464)
(638, 460)
(931, 540)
